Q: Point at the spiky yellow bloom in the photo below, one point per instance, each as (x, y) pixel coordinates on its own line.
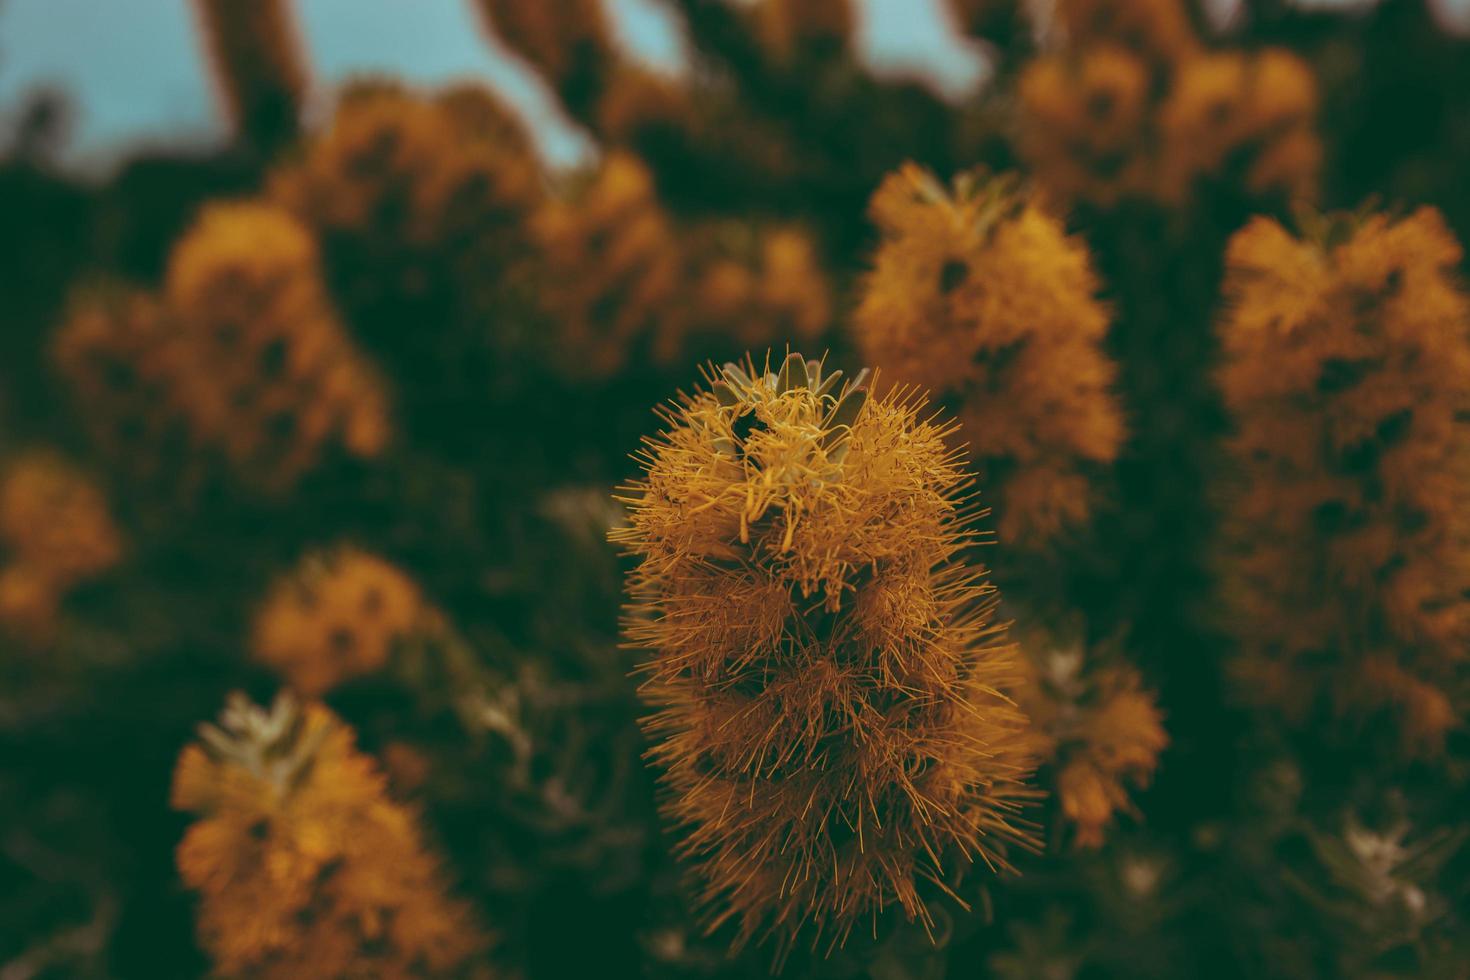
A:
(1347, 376)
(979, 295)
(255, 57)
(824, 666)
(56, 521)
(336, 616)
(615, 266)
(243, 357)
(303, 865)
(395, 175)
(1099, 730)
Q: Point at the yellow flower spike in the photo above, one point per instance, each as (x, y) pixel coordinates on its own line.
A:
(756, 285)
(1126, 104)
(823, 666)
(625, 282)
(1346, 373)
(1084, 123)
(1230, 105)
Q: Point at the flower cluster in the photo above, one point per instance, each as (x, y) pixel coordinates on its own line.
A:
(978, 295)
(55, 532)
(303, 865)
(1133, 106)
(613, 255)
(625, 281)
(242, 355)
(1100, 731)
(753, 285)
(336, 616)
(396, 180)
(824, 666)
(1347, 536)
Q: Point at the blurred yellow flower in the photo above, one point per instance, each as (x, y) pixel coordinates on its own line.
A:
(1130, 106)
(303, 865)
(979, 295)
(1096, 726)
(242, 357)
(1347, 530)
(336, 616)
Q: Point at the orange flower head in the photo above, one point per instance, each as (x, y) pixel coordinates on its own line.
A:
(979, 295)
(794, 287)
(336, 616)
(823, 666)
(303, 865)
(1131, 107)
(240, 360)
(1281, 126)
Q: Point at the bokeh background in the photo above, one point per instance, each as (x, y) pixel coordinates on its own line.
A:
(519, 345)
